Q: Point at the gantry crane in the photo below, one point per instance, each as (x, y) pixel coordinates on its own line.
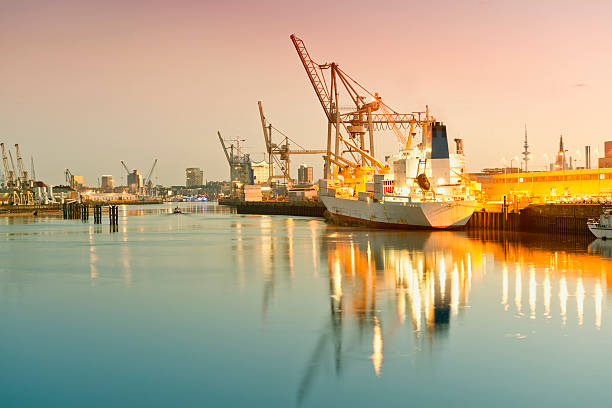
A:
(357, 154)
(280, 153)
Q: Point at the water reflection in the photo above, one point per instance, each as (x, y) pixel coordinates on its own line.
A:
(381, 283)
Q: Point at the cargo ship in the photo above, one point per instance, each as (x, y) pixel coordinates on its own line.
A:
(421, 187)
(424, 189)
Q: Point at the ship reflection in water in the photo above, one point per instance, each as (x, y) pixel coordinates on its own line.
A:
(381, 283)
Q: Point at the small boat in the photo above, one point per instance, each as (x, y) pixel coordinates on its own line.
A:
(177, 211)
(602, 228)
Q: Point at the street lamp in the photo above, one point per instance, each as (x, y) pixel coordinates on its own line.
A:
(547, 162)
(511, 160)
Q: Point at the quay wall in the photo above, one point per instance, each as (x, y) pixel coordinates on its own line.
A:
(567, 219)
(564, 219)
(296, 208)
(30, 209)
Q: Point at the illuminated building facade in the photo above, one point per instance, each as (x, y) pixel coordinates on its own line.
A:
(549, 184)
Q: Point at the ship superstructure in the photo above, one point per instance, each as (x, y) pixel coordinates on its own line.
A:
(422, 186)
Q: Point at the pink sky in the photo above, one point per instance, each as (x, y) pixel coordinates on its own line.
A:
(85, 85)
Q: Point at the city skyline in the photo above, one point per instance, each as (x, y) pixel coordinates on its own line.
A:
(119, 81)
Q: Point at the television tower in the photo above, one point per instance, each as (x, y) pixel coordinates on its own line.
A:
(526, 152)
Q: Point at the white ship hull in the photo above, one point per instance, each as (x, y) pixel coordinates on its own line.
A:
(600, 232)
(395, 214)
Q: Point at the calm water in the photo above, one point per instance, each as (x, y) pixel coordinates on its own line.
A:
(214, 309)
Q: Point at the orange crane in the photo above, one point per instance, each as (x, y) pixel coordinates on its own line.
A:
(359, 119)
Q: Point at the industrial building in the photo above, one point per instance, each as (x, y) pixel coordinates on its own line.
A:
(305, 174)
(261, 171)
(194, 177)
(107, 183)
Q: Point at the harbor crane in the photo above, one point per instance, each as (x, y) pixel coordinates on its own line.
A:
(125, 167)
(15, 181)
(330, 83)
(70, 179)
(23, 175)
(241, 171)
(9, 175)
(280, 153)
(148, 184)
(16, 178)
(135, 181)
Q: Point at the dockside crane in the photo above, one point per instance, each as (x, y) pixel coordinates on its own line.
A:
(125, 167)
(280, 153)
(352, 154)
(148, 179)
(240, 166)
(70, 179)
(8, 173)
(16, 178)
(23, 175)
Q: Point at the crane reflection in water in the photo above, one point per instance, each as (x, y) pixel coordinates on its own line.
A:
(381, 282)
(426, 276)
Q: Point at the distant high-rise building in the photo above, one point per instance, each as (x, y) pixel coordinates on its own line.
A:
(107, 183)
(587, 157)
(134, 181)
(194, 177)
(606, 161)
(305, 174)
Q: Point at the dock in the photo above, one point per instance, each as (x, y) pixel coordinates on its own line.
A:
(564, 219)
(295, 208)
(558, 218)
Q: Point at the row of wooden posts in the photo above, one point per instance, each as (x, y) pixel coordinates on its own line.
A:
(75, 211)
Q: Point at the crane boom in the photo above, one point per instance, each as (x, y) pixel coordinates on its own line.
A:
(150, 172)
(227, 156)
(264, 126)
(306, 151)
(312, 68)
(125, 167)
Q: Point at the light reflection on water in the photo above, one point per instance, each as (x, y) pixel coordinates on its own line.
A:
(327, 314)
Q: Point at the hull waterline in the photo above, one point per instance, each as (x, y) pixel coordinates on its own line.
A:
(399, 215)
